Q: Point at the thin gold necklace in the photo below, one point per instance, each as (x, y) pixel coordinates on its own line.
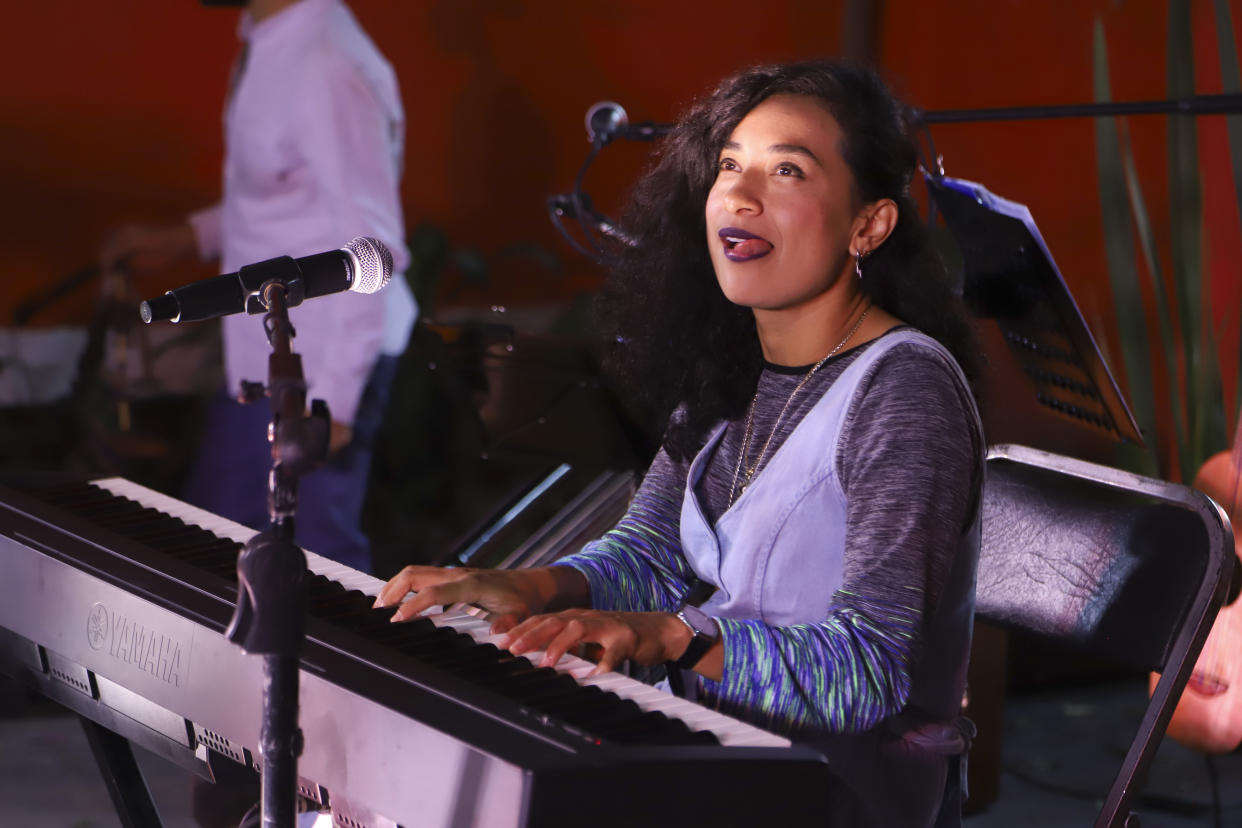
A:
(752, 470)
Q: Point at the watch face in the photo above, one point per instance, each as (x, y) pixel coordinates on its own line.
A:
(699, 620)
(705, 632)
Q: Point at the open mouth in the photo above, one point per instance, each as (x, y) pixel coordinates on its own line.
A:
(742, 246)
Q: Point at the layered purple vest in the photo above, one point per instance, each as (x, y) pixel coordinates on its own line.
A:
(777, 554)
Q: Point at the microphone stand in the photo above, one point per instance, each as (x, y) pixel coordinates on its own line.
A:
(271, 570)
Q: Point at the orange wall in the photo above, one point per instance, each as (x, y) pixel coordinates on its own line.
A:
(116, 117)
(112, 114)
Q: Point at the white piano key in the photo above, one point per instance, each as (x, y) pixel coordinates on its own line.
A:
(728, 731)
(344, 575)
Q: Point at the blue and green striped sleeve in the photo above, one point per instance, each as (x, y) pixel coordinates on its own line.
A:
(843, 675)
(638, 566)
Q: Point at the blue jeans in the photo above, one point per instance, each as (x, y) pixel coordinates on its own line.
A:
(230, 476)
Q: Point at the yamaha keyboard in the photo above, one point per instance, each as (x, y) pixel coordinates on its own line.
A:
(114, 600)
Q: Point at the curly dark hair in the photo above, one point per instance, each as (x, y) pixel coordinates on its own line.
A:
(680, 342)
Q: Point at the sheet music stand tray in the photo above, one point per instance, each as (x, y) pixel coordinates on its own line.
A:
(1038, 347)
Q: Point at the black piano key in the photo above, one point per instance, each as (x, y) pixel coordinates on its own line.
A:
(209, 555)
(120, 511)
(394, 635)
(71, 495)
(441, 645)
(647, 726)
(187, 536)
(107, 516)
(460, 659)
(351, 603)
(672, 731)
(492, 665)
(580, 708)
(128, 522)
(319, 588)
(226, 570)
(159, 537)
(605, 715)
(699, 737)
(605, 720)
(563, 689)
(496, 671)
(106, 510)
(136, 524)
(402, 637)
(222, 564)
(157, 534)
(199, 541)
(538, 680)
(368, 622)
(682, 734)
(341, 611)
(193, 540)
(323, 585)
(457, 658)
(321, 593)
(654, 727)
(431, 641)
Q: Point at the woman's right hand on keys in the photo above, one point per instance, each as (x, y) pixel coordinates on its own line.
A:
(511, 595)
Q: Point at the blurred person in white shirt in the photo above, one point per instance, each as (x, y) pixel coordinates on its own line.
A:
(314, 132)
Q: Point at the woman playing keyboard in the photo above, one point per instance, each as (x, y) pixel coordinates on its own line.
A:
(804, 542)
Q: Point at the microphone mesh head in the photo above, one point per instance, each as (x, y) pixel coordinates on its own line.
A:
(374, 264)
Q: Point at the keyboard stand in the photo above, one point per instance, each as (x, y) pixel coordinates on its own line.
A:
(123, 777)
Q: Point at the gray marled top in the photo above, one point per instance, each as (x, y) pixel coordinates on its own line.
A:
(907, 494)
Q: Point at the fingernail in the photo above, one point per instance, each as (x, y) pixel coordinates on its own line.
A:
(379, 603)
(396, 616)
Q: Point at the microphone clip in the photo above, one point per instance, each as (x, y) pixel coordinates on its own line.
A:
(257, 280)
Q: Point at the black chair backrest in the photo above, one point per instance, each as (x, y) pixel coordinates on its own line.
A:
(1107, 562)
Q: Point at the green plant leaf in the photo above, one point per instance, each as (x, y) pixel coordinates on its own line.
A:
(1119, 246)
(1204, 412)
(1231, 82)
(1159, 286)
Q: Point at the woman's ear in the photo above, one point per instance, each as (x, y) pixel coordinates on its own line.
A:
(875, 221)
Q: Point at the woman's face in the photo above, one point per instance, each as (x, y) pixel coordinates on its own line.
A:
(782, 211)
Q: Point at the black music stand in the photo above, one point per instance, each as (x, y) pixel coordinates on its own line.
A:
(1044, 371)
(1044, 383)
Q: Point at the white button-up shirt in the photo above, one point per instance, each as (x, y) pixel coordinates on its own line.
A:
(313, 134)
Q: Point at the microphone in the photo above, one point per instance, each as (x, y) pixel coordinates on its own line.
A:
(607, 120)
(362, 266)
(604, 121)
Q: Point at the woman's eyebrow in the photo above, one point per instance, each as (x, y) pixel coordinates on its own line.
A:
(796, 149)
(792, 149)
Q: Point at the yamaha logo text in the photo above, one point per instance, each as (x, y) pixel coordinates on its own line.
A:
(135, 644)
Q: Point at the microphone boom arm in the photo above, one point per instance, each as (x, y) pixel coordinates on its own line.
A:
(606, 121)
